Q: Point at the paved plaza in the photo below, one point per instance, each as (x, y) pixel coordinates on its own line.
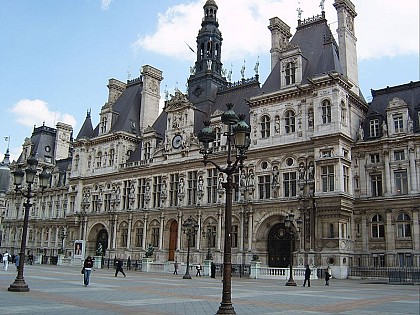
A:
(59, 290)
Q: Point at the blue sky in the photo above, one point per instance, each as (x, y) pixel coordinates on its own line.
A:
(57, 56)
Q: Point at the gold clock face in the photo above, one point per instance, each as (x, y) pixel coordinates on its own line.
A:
(177, 141)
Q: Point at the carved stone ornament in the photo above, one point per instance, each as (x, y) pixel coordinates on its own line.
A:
(177, 101)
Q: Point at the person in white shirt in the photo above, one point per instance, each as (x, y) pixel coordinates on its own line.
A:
(5, 261)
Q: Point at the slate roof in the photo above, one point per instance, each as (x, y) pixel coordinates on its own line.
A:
(86, 132)
(317, 46)
(43, 144)
(5, 173)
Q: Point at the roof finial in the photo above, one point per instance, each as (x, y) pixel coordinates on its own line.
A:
(299, 11)
(8, 142)
(257, 65)
(243, 70)
(321, 4)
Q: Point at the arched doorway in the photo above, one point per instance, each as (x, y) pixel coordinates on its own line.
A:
(173, 232)
(101, 243)
(278, 247)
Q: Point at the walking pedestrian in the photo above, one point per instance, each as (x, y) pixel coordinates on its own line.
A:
(119, 267)
(87, 267)
(307, 276)
(175, 267)
(198, 267)
(213, 270)
(6, 256)
(17, 261)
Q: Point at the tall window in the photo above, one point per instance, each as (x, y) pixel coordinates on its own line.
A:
(212, 185)
(124, 236)
(403, 225)
(235, 237)
(378, 227)
(265, 126)
(346, 178)
(374, 128)
(264, 182)
(103, 124)
(147, 151)
(111, 157)
(401, 182)
(326, 111)
(139, 237)
(95, 203)
(157, 191)
(107, 201)
(399, 155)
(141, 193)
(126, 194)
(327, 177)
(376, 185)
(218, 141)
(99, 159)
(378, 260)
(289, 184)
(155, 236)
(290, 73)
(289, 121)
(331, 230)
(398, 123)
(374, 158)
(405, 260)
(173, 190)
(192, 188)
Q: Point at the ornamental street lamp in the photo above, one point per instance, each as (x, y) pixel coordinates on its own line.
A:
(19, 284)
(237, 134)
(190, 227)
(292, 235)
(209, 234)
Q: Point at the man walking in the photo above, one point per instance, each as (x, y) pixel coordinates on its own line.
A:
(307, 276)
(5, 260)
(119, 267)
(175, 267)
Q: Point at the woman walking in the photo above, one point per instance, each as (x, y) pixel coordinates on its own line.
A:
(87, 267)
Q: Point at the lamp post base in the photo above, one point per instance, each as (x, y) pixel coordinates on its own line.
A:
(188, 276)
(226, 309)
(290, 283)
(18, 286)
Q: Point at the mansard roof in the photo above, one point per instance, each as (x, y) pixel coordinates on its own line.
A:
(409, 93)
(43, 144)
(127, 107)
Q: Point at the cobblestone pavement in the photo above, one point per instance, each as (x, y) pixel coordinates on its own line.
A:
(59, 290)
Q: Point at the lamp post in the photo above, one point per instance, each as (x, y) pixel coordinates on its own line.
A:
(293, 235)
(190, 227)
(19, 284)
(209, 234)
(237, 134)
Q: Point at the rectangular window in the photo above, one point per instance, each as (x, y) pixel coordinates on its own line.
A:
(95, 203)
(289, 184)
(155, 237)
(327, 177)
(212, 185)
(399, 155)
(126, 193)
(290, 73)
(346, 178)
(173, 190)
(374, 158)
(107, 202)
(157, 191)
(401, 182)
(403, 230)
(234, 238)
(139, 237)
(192, 188)
(374, 128)
(398, 123)
(264, 186)
(142, 193)
(326, 153)
(72, 203)
(378, 230)
(124, 237)
(376, 185)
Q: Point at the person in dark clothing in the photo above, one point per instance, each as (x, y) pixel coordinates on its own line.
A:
(213, 270)
(119, 267)
(307, 276)
(198, 268)
(175, 267)
(327, 276)
(87, 267)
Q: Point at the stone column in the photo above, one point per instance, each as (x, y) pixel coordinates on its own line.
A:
(413, 173)
(365, 233)
(114, 240)
(219, 229)
(130, 226)
(416, 233)
(250, 224)
(388, 191)
(198, 238)
(162, 220)
(144, 232)
(389, 238)
(179, 232)
(241, 230)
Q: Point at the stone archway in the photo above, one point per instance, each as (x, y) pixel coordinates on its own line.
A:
(278, 247)
(173, 236)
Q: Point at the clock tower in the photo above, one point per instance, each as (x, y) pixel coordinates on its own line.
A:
(207, 74)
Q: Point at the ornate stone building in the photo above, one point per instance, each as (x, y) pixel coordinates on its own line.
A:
(346, 168)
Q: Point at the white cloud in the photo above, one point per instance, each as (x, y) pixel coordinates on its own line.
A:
(36, 112)
(105, 4)
(382, 27)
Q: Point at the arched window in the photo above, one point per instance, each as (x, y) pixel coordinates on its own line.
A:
(326, 111)
(378, 227)
(265, 126)
(403, 225)
(289, 121)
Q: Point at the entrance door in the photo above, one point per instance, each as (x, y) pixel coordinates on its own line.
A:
(101, 243)
(172, 240)
(278, 246)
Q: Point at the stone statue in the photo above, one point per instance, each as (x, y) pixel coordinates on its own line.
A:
(99, 250)
(149, 251)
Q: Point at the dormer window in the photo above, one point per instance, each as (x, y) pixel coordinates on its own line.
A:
(103, 124)
(398, 123)
(290, 73)
(374, 128)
